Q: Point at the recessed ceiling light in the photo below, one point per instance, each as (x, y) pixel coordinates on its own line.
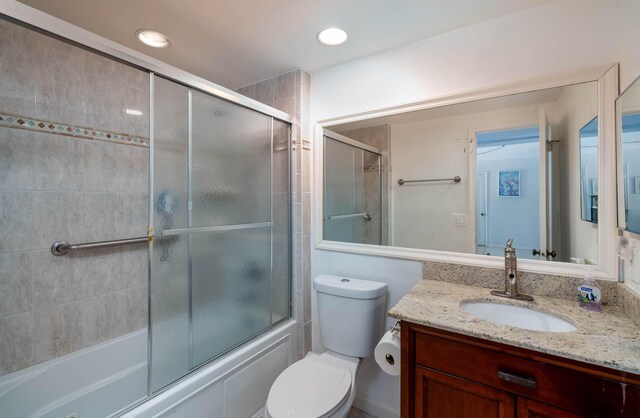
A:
(332, 36)
(152, 38)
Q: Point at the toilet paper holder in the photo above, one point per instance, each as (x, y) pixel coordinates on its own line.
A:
(388, 357)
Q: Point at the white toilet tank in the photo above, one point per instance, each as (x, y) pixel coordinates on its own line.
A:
(351, 314)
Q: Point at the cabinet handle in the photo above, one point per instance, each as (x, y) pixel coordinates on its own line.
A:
(528, 382)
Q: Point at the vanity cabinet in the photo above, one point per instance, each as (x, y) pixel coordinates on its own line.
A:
(448, 375)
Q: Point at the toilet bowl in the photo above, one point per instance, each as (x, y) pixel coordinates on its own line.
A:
(318, 386)
(351, 318)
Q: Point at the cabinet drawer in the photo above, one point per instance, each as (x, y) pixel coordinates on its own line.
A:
(565, 388)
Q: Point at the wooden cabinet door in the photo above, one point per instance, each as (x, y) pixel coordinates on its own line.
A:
(532, 409)
(439, 395)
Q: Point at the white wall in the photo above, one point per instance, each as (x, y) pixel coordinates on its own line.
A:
(628, 31)
(555, 38)
(422, 214)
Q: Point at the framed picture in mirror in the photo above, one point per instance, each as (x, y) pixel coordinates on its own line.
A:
(509, 183)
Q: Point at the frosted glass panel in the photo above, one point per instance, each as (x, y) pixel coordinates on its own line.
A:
(231, 178)
(340, 178)
(343, 192)
(170, 155)
(231, 282)
(169, 284)
(169, 311)
(215, 164)
(280, 280)
(344, 229)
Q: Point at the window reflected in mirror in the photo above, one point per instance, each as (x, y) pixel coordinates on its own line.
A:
(589, 171)
(467, 177)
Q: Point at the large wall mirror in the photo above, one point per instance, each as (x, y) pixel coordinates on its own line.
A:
(628, 133)
(467, 177)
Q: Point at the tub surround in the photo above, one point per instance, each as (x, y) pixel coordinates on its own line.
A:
(607, 339)
(73, 166)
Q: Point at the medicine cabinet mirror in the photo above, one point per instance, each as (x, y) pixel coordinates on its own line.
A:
(466, 177)
(628, 140)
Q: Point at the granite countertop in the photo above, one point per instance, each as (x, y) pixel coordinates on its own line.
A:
(606, 338)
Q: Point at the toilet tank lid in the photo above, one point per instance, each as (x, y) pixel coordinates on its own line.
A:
(348, 287)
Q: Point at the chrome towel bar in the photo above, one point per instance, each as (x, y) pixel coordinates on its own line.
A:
(62, 247)
(456, 179)
(365, 215)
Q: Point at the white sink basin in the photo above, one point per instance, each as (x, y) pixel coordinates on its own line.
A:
(516, 316)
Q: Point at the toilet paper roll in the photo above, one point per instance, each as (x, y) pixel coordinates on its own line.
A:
(387, 353)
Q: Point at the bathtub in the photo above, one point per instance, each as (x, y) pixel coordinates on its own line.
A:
(103, 380)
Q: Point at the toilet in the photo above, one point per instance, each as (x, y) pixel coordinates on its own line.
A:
(351, 318)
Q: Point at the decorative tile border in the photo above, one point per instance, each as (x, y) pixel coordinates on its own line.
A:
(368, 168)
(31, 124)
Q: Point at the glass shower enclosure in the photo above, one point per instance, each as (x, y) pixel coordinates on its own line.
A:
(352, 191)
(220, 217)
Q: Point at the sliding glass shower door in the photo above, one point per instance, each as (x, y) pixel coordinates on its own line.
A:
(220, 217)
(352, 191)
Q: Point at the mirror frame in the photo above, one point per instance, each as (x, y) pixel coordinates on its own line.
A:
(607, 81)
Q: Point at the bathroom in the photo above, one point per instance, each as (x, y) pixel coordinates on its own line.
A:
(75, 335)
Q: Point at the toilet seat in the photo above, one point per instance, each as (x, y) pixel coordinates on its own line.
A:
(314, 387)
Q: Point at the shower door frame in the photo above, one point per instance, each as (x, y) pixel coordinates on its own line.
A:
(356, 144)
(190, 229)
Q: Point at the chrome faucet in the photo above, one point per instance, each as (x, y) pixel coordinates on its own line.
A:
(510, 275)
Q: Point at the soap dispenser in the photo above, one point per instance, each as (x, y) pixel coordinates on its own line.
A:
(589, 295)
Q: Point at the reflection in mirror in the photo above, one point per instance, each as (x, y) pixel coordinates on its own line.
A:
(628, 113)
(467, 177)
(589, 171)
(352, 191)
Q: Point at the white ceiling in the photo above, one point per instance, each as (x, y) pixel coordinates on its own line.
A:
(239, 42)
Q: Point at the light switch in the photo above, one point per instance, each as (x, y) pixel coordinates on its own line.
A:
(459, 220)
